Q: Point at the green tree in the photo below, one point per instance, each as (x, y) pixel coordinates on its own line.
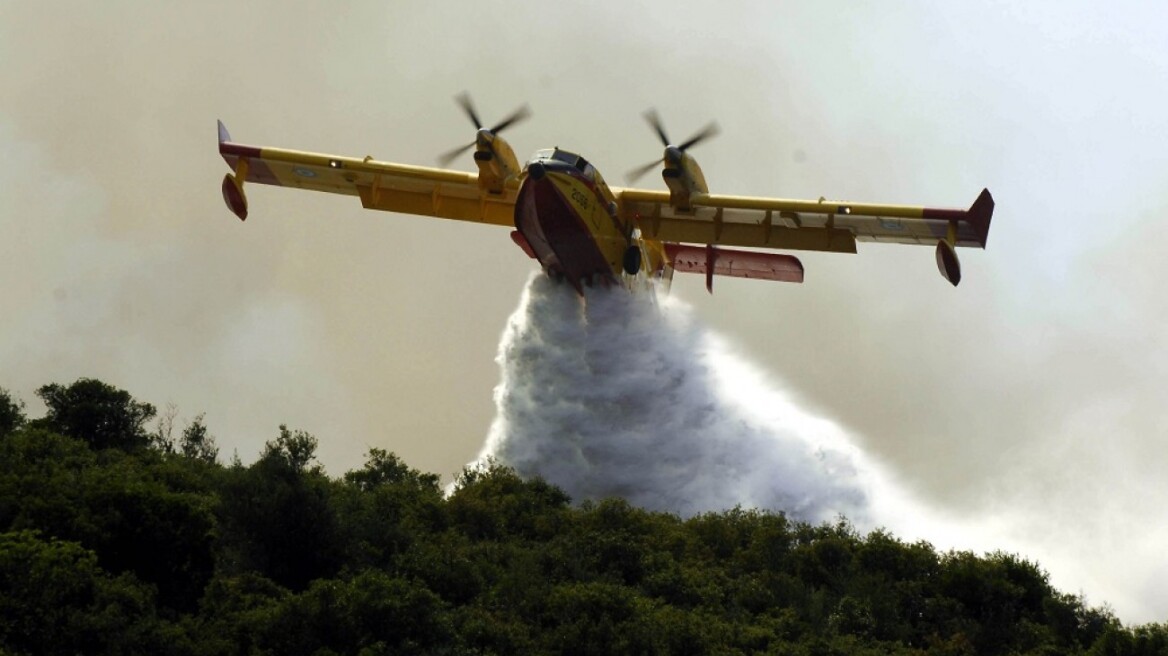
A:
(41, 487)
(54, 599)
(295, 450)
(598, 618)
(127, 508)
(137, 523)
(1001, 594)
(279, 516)
(373, 612)
(383, 468)
(109, 547)
(197, 443)
(98, 414)
(385, 508)
(495, 502)
(11, 413)
(234, 611)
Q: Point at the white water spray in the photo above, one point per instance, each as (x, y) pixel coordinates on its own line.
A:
(627, 395)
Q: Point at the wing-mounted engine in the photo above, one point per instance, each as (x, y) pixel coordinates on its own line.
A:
(681, 172)
(493, 155)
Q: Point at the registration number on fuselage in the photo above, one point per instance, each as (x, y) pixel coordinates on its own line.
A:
(580, 199)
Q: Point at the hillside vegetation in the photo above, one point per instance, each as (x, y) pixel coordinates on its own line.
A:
(121, 534)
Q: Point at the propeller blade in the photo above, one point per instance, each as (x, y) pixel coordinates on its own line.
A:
(516, 116)
(464, 101)
(639, 172)
(452, 155)
(707, 132)
(655, 121)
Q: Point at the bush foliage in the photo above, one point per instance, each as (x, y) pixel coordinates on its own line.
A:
(116, 540)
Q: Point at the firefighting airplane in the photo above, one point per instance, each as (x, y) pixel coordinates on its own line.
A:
(580, 229)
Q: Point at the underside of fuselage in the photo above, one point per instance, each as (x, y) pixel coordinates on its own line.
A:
(569, 225)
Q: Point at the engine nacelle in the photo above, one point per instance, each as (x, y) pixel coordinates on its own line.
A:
(683, 176)
(496, 161)
(947, 262)
(234, 197)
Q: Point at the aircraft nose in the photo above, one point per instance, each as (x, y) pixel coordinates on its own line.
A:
(536, 171)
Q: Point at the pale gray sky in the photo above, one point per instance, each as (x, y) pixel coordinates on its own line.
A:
(1032, 394)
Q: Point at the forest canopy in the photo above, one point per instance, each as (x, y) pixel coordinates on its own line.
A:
(119, 535)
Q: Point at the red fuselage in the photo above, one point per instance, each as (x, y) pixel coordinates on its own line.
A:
(568, 218)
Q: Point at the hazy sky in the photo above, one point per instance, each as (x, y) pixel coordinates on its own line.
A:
(1031, 395)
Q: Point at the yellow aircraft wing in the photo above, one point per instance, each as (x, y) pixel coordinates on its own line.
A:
(823, 225)
(380, 185)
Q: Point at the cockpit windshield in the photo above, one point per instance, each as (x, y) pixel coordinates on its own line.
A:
(571, 159)
(566, 157)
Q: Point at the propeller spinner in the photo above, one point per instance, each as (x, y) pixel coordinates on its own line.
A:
(673, 154)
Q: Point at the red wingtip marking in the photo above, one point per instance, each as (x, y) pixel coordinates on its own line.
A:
(978, 215)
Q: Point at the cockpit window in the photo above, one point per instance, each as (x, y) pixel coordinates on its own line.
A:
(565, 157)
(579, 163)
(571, 159)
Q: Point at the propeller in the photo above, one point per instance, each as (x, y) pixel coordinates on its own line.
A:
(671, 151)
(464, 101)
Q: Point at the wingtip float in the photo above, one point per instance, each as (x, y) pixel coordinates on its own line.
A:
(563, 214)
